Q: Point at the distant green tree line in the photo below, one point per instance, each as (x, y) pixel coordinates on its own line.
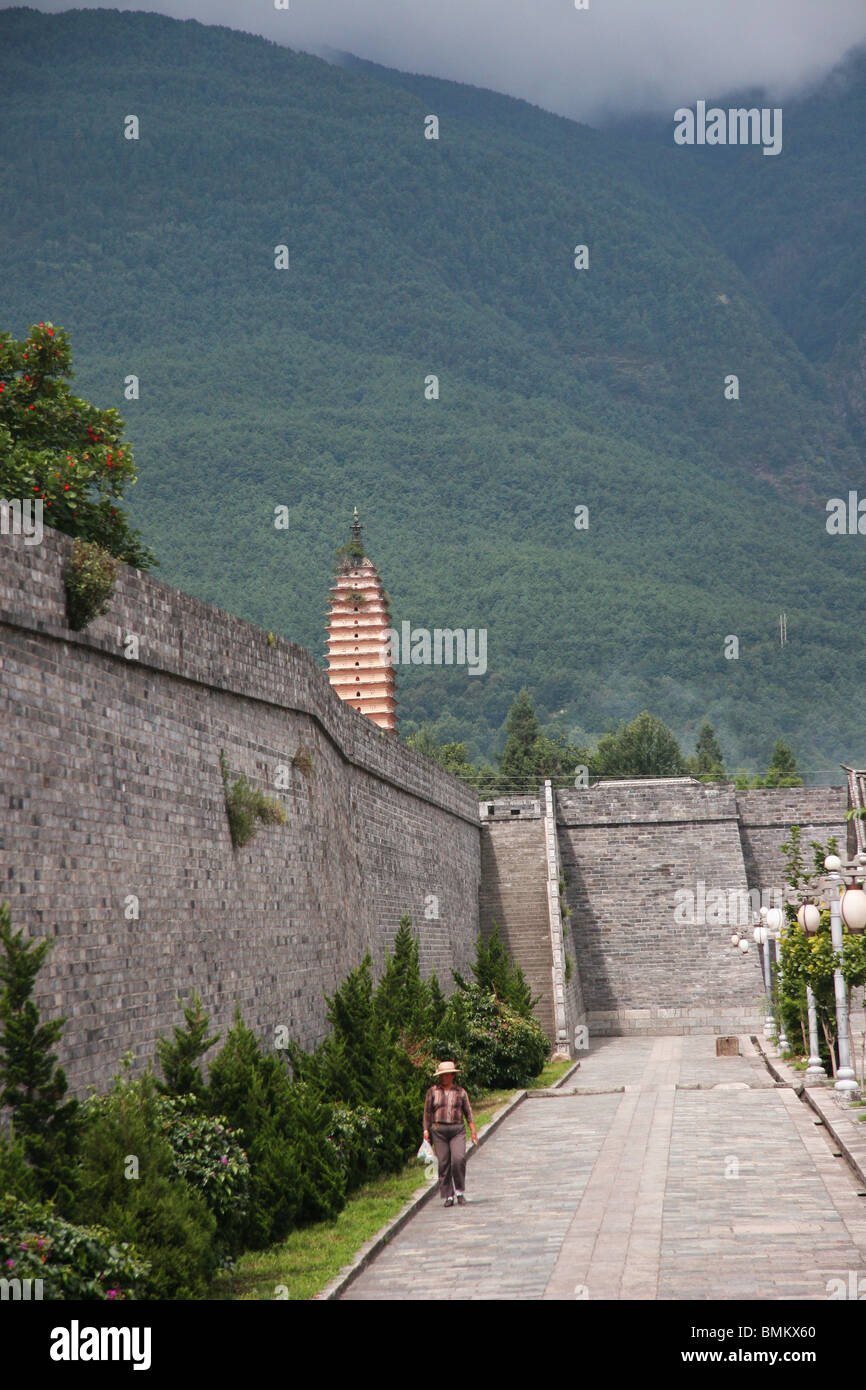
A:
(645, 747)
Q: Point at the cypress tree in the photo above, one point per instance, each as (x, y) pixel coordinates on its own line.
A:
(522, 731)
(708, 761)
(402, 997)
(782, 771)
(31, 1084)
(178, 1058)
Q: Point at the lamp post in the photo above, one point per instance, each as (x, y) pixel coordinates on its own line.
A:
(775, 919)
(809, 918)
(762, 941)
(853, 913)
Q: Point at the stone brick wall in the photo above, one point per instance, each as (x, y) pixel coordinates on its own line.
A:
(627, 848)
(110, 787)
(766, 818)
(514, 892)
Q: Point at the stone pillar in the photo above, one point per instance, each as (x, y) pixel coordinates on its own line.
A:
(562, 1042)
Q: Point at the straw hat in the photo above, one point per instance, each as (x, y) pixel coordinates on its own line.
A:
(444, 1067)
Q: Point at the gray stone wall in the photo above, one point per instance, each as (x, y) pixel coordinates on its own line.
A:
(514, 892)
(628, 849)
(766, 818)
(110, 787)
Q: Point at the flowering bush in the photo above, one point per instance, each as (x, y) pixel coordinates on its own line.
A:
(207, 1155)
(60, 450)
(73, 1262)
(494, 1046)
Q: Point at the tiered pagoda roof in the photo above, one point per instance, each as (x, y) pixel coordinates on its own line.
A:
(358, 624)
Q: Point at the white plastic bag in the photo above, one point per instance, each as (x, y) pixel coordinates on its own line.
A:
(426, 1154)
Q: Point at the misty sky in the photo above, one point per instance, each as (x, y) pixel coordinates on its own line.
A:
(618, 56)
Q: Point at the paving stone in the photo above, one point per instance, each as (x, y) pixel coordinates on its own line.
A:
(633, 1194)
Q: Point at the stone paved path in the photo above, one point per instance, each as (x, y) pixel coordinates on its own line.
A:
(699, 1180)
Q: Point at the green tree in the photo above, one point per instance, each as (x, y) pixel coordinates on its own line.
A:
(178, 1058)
(402, 997)
(530, 756)
(708, 763)
(295, 1175)
(644, 748)
(59, 449)
(126, 1182)
(496, 973)
(521, 732)
(365, 1062)
(31, 1083)
(782, 771)
(438, 1002)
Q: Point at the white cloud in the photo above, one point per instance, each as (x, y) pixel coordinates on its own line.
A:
(618, 56)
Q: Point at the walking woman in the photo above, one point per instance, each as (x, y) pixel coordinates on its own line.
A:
(444, 1108)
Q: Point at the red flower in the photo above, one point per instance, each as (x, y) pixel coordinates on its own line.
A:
(65, 487)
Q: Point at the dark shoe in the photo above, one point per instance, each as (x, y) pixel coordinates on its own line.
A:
(461, 1200)
(449, 1202)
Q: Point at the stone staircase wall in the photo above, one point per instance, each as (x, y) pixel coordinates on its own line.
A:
(514, 892)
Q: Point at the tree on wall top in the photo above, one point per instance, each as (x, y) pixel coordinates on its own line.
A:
(782, 771)
(708, 762)
(644, 748)
(529, 755)
(59, 449)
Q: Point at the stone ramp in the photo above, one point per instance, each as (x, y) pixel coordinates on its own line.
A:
(700, 1179)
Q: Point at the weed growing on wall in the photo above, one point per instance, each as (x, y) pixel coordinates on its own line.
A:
(245, 805)
(90, 578)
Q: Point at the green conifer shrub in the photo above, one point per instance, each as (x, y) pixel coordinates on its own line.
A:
(295, 1173)
(496, 973)
(179, 1058)
(32, 1086)
(127, 1182)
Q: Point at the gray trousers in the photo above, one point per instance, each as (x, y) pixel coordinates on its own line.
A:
(449, 1141)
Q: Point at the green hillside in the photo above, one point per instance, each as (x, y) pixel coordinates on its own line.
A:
(793, 224)
(558, 387)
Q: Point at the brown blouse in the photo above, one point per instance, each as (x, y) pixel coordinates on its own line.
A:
(446, 1107)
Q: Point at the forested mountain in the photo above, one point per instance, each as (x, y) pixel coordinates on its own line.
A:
(558, 387)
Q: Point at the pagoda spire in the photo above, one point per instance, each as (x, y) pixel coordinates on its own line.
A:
(359, 666)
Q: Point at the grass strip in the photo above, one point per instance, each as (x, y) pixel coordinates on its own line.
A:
(308, 1259)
